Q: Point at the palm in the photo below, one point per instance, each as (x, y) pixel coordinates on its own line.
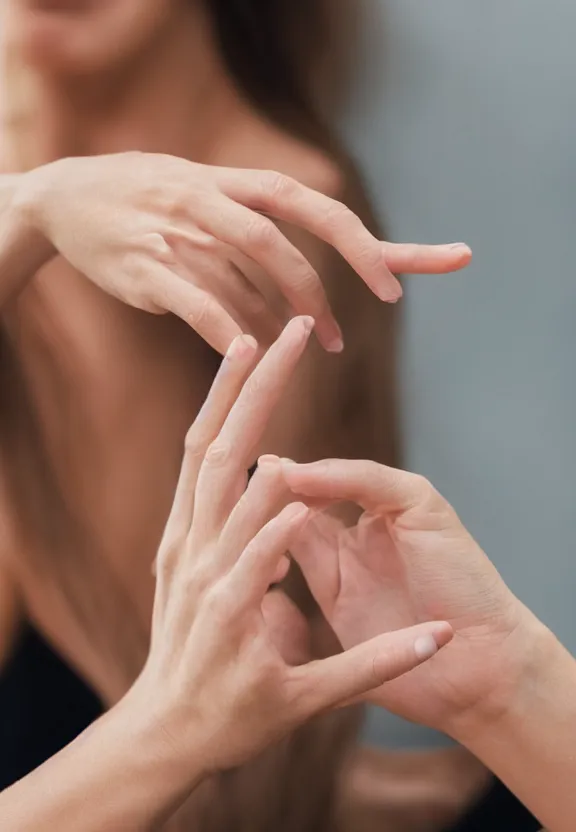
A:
(374, 577)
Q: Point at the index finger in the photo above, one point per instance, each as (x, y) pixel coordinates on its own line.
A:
(376, 488)
(332, 221)
(233, 451)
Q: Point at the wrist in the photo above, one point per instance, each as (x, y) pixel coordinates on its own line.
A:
(532, 657)
(167, 737)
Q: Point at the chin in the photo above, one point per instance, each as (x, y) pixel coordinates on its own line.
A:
(78, 37)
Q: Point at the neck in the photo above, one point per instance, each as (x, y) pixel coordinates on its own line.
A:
(175, 98)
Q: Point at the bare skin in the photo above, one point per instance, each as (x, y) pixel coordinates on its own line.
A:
(123, 378)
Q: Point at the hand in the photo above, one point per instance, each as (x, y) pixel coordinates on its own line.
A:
(409, 559)
(167, 235)
(214, 678)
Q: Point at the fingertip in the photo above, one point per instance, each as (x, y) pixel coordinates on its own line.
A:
(242, 346)
(268, 459)
(296, 512)
(427, 645)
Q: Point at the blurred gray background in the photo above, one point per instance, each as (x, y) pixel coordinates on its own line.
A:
(464, 119)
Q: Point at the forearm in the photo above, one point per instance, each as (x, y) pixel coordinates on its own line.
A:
(531, 745)
(121, 774)
(23, 250)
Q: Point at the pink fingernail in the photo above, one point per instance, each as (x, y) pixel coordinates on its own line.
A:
(335, 344)
(308, 323)
(241, 345)
(297, 512)
(388, 296)
(460, 246)
(268, 459)
(425, 647)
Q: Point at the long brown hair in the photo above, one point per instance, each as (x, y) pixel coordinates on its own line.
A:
(288, 57)
(281, 55)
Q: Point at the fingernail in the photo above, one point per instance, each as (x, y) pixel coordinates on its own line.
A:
(384, 294)
(268, 459)
(241, 345)
(335, 344)
(308, 323)
(297, 512)
(460, 247)
(425, 647)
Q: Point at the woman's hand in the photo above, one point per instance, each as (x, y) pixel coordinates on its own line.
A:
(409, 559)
(214, 679)
(168, 235)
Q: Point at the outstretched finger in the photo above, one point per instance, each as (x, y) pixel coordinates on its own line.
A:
(332, 682)
(409, 258)
(232, 374)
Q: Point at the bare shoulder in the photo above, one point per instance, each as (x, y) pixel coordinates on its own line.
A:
(264, 146)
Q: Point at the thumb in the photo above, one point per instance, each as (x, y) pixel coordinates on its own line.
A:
(335, 681)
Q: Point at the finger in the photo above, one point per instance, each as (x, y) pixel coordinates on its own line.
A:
(316, 552)
(258, 238)
(374, 487)
(254, 571)
(259, 504)
(287, 628)
(233, 372)
(193, 305)
(222, 278)
(408, 258)
(234, 449)
(331, 682)
(330, 220)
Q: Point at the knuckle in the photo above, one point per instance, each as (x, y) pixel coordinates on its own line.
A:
(422, 487)
(168, 555)
(261, 232)
(202, 313)
(338, 215)
(305, 280)
(194, 443)
(217, 453)
(370, 251)
(218, 603)
(278, 185)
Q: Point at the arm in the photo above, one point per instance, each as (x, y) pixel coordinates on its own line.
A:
(214, 691)
(118, 775)
(527, 736)
(345, 406)
(505, 688)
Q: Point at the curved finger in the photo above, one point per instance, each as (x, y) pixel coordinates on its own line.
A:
(256, 567)
(334, 681)
(198, 308)
(373, 486)
(316, 553)
(234, 449)
(328, 219)
(257, 237)
(217, 274)
(259, 503)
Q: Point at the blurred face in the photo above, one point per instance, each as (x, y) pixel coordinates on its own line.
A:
(84, 36)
